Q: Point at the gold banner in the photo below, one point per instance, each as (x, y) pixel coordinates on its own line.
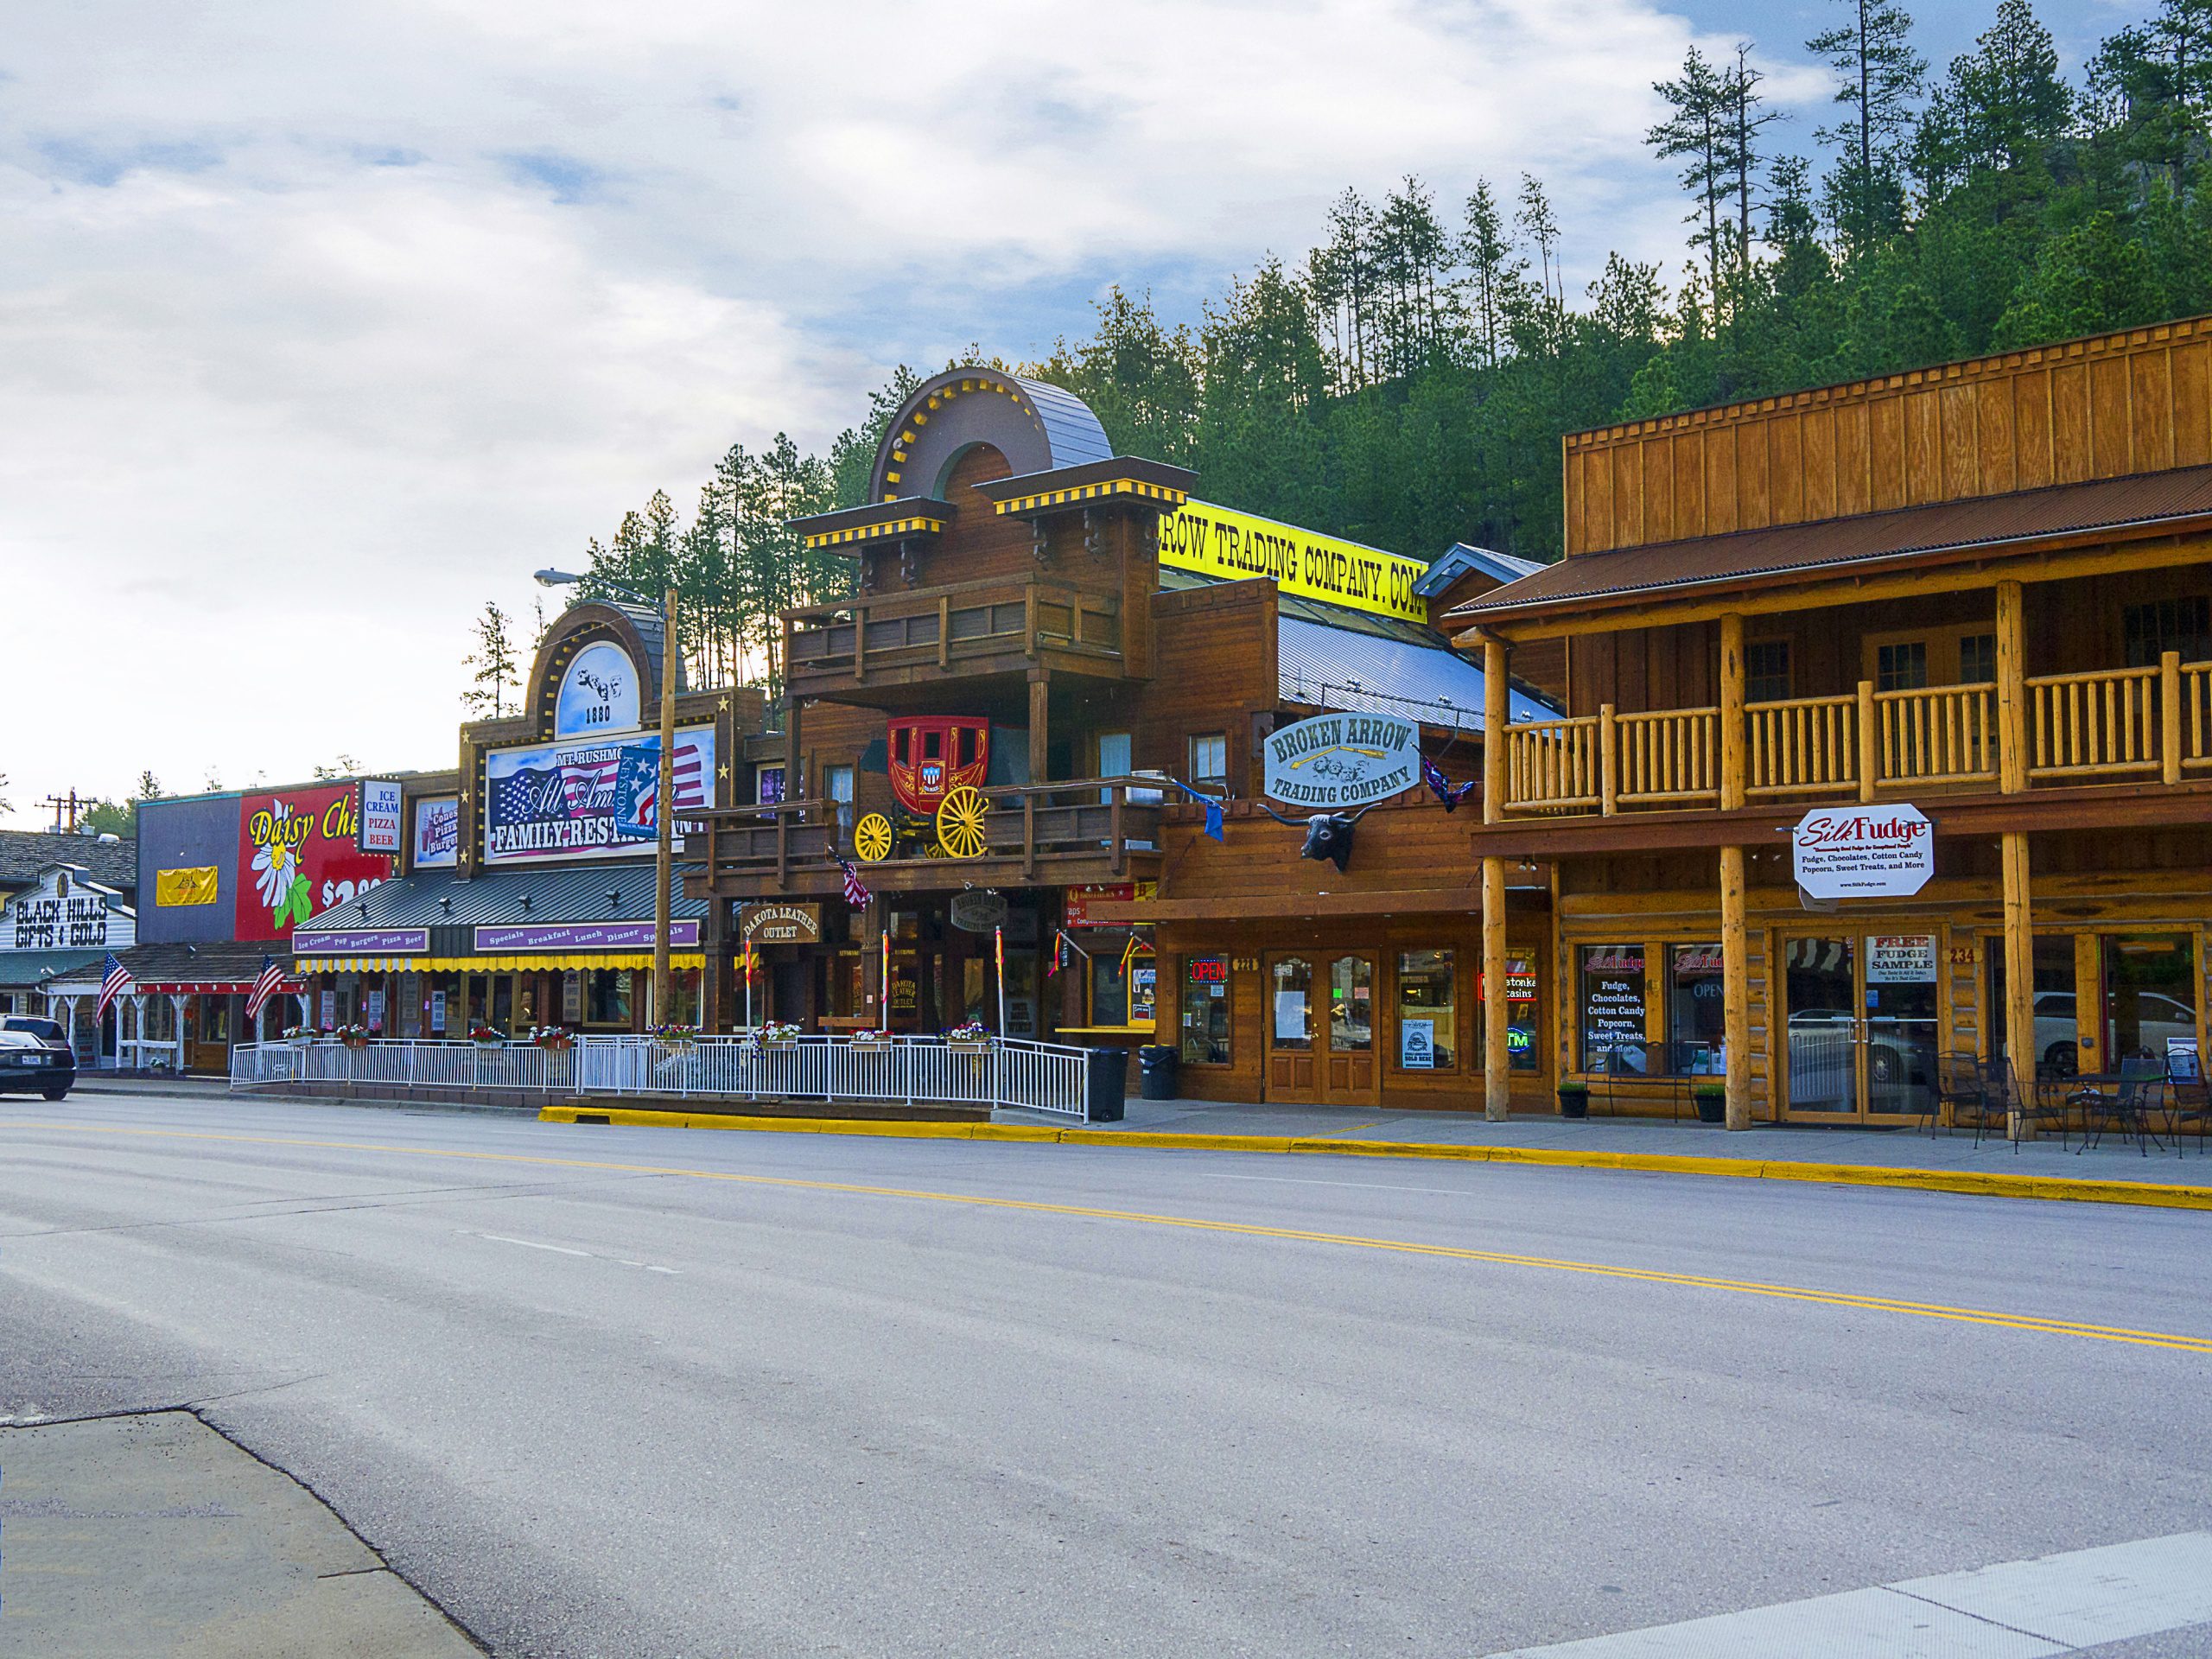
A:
(187, 887)
(1240, 545)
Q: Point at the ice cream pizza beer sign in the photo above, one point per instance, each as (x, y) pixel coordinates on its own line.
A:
(1339, 760)
(1863, 852)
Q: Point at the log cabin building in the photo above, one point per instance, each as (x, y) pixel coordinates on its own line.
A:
(1978, 594)
(1052, 653)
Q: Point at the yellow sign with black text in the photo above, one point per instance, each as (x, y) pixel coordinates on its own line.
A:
(1237, 546)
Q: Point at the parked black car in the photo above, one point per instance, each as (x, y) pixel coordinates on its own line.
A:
(28, 1062)
(50, 1030)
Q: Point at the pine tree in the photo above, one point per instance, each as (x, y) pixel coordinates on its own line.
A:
(494, 660)
(1701, 131)
(1495, 279)
(1535, 222)
(1879, 76)
(2002, 105)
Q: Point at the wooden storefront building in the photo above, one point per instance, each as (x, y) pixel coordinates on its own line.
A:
(1980, 590)
(1049, 648)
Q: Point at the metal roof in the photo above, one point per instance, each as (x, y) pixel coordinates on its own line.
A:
(1070, 427)
(24, 970)
(2149, 501)
(556, 892)
(1463, 556)
(1336, 668)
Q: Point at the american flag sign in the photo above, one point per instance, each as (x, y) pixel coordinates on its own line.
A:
(856, 892)
(272, 977)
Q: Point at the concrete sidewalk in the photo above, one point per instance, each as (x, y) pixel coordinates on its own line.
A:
(153, 1534)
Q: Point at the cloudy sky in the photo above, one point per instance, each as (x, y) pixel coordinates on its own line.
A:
(321, 324)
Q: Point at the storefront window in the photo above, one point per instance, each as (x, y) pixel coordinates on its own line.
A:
(1696, 1009)
(1144, 986)
(1428, 1017)
(1290, 1008)
(1612, 1006)
(2058, 1053)
(608, 1001)
(683, 995)
(2150, 1000)
(214, 1018)
(1351, 1005)
(1205, 1011)
(1520, 1015)
(1110, 992)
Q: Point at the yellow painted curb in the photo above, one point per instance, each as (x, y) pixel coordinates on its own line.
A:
(1986, 1184)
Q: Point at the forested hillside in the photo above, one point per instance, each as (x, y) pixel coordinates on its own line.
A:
(1406, 383)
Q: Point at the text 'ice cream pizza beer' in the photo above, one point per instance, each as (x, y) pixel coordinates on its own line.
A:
(1885, 852)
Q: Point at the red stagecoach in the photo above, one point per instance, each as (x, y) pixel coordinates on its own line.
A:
(931, 755)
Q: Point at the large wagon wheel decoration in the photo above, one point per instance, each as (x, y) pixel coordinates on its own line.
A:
(872, 838)
(960, 821)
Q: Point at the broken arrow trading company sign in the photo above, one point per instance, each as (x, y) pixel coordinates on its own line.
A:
(1339, 760)
(1872, 852)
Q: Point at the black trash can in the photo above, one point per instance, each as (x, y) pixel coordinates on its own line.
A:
(1157, 1062)
(1110, 1077)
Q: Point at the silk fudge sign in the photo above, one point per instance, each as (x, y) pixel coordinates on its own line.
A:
(587, 798)
(1338, 760)
(298, 856)
(1872, 852)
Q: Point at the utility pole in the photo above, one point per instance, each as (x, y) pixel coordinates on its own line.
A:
(68, 804)
(664, 811)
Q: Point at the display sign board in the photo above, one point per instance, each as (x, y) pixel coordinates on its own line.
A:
(1901, 959)
(362, 942)
(199, 885)
(1863, 852)
(1613, 1000)
(61, 913)
(1335, 761)
(584, 936)
(379, 824)
(1077, 901)
(299, 855)
(978, 911)
(1238, 546)
(782, 924)
(599, 693)
(1417, 1045)
(437, 832)
(588, 798)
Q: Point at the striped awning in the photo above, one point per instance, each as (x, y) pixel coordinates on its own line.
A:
(491, 964)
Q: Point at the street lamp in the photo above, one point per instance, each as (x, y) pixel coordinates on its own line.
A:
(664, 795)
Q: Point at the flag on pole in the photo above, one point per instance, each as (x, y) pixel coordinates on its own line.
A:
(856, 892)
(1212, 805)
(887, 975)
(1442, 787)
(1129, 955)
(115, 979)
(998, 938)
(272, 975)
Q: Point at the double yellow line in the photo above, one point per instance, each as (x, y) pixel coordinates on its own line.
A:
(1245, 1230)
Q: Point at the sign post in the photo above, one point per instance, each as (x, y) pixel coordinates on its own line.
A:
(1864, 852)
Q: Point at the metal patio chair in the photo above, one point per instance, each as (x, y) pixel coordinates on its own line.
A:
(2142, 1084)
(2041, 1100)
(2189, 1100)
(1961, 1087)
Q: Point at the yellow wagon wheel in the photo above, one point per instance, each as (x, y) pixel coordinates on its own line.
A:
(960, 822)
(872, 838)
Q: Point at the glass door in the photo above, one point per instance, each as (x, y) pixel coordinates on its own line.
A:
(1863, 1024)
(1291, 1073)
(1351, 1073)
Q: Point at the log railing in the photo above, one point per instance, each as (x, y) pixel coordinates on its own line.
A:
(1936, 734)
(2110, 725)
(945, 628)
(1803, 746)
(2098, 725)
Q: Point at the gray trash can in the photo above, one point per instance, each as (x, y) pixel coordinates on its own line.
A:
(1110, 1079)
(1157, 1063)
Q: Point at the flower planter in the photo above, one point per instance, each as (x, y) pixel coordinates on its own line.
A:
(1712, 1107)
(1574, 1103)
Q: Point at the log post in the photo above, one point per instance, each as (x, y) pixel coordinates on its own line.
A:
(2011, 691)
(1869, 748)
(1495, 687)
(1498, 1012)
(2019, 1011)
(1040, 700)
(1608, 754)
(2169, 717)
(1735, 948)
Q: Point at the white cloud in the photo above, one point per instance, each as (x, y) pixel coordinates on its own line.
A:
(320, 325)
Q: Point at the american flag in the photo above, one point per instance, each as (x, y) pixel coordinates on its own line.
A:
(856, 892)
(115, 979)
(273, 976)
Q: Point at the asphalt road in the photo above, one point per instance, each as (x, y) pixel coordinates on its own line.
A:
(632, 1392)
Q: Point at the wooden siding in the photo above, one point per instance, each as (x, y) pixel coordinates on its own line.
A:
(2132, 401)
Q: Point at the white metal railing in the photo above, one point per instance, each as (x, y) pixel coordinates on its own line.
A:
(906, 1070)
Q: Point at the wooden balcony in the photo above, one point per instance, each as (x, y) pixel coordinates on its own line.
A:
(1050, 834)
(970, 628)
(2132, 725)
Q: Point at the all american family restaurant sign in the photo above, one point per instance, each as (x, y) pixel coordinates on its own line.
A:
(1863, 852)
(585, 798)
(1338, 760)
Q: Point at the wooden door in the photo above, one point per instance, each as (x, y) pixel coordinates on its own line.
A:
(1292, 1072)
(1351, 1073)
